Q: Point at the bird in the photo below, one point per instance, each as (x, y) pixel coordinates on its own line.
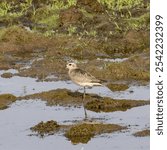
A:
(82, 78)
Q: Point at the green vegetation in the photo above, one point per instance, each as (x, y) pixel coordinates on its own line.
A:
(44, 16)
(141, 22)
(71, 30)
(120, 4)
(59, 4)
(4, 8)
(11, 10)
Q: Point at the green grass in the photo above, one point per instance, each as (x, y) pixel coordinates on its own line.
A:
(120, 4)
(59, 4)
(50, 21)
(4, 8)
(9, 11)
(44, 15)
(71, 30)
(87, 14)
(139, 22)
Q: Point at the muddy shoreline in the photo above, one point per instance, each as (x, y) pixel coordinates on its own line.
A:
(84, 32)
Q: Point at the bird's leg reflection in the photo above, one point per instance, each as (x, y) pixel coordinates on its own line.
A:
(83, 102)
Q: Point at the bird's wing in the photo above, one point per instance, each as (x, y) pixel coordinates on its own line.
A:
(87, 77)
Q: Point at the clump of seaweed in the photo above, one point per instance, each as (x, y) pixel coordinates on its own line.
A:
(7, 75)
(135, 68)
(5, 100)
(76, 133)
(117, 87)
(82, 133)
(46, 128)
(62, 97)
(111, 105)
(93, 102)
(142, 133)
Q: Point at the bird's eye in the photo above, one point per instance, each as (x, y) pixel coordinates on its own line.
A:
(69, 64)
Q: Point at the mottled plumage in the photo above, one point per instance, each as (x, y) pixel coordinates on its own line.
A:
(82, 78)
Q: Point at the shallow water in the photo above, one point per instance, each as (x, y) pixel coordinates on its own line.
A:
(21, 86)
(113, 60)
(16, 121)
(21, 115)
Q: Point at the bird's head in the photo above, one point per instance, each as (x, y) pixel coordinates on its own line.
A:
(71, 66)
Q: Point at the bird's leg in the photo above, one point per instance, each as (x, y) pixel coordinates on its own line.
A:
(84, 103)
(78, 89)
(84, 93)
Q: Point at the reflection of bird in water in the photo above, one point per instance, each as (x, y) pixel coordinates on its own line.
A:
(24, 90)
(82, 78)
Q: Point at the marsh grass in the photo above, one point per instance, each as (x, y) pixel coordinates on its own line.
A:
(139, 22)
(15, 10)
(120, 4)
(44, 16)
(59, 4)
(4, 8)
(71, 30)
(82, 133)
